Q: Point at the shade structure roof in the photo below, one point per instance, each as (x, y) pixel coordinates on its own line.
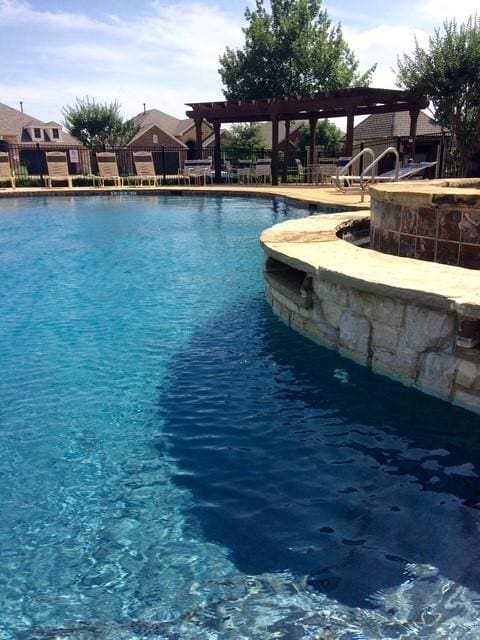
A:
(327, 104)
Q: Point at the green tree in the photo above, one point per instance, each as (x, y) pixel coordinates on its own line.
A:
(292, 50)
(448, 72)
(328, 136)
(98, 124)
(245, 137)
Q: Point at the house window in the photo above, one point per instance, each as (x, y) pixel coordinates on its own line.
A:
(56, 133)
(37, 133)
(155, 138)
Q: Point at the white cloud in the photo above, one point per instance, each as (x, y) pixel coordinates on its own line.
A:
(17, 12)
(380, 46)
(440, 10)
(166, 56)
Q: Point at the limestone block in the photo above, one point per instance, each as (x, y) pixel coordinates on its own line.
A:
(467, 373)
(356, 356)
(329, 291)
(395, 365)
(361, 303)
(388, 311)
(428, 329)
(436, 373)
(354, 333)
(467, 400)
(332, 312)
(320, 332)
(280, 310)
(289, 304)
(384, 336)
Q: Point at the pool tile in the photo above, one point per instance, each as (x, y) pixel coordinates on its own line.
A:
(407, 246)
(425, 249)
(470, 226)
(469, 256)
(427, 222)
(449, 225)
(409, 220)
(447, 252)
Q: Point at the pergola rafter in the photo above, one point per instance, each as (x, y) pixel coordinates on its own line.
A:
(329, 104)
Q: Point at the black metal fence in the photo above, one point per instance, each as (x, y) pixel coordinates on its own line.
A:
(28, 161)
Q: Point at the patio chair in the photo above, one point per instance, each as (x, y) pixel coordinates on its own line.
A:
(6, 174)
(108, 168)
(145, 168)
(199, 170)
(57, 167)
(245, 171)
(263, 170)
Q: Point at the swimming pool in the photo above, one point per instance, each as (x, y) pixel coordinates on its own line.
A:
(176, 463)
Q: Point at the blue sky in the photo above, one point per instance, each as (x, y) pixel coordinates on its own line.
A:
(165, 52)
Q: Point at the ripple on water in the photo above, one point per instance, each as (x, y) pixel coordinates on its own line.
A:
(177, 464)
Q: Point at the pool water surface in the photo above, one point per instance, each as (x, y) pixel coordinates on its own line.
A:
(176, 463)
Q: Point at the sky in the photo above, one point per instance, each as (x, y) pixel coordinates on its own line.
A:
(165, 53)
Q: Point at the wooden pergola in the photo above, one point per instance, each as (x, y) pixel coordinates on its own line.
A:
(329, 104)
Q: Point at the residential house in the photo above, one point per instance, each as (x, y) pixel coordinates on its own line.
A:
(177, 137)
(20, 133)
(382, 130)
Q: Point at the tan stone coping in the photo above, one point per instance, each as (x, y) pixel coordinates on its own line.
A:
(321, 195)
(311, 245)
(460, 192)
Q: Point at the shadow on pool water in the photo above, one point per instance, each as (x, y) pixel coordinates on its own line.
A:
(299, 459)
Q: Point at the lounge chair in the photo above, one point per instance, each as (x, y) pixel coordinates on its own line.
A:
(145, 168)
(6, 174)
(57, 167)
(108, 169)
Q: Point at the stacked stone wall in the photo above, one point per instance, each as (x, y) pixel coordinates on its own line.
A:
(410, 343)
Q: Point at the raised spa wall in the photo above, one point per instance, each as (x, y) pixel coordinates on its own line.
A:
(374, 308)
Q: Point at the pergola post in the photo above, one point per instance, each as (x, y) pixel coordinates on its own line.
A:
(274, 165)
(198, 138)
(285, 153)
(313, 140)
(217, 155)
(348, 149)
(413, 130)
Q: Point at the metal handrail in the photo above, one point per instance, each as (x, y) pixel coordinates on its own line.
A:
(342, 172)
(374, 165)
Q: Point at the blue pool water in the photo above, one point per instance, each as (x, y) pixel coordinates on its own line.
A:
(175, 463)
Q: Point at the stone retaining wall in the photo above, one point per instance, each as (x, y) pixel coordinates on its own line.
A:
(402, 318)
(413, 344)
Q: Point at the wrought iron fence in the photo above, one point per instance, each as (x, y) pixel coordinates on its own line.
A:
(29, 163)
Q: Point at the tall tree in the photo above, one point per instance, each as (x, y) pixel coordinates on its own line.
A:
(98, 124)
(448, 72)
(293, 49)
(245, 137)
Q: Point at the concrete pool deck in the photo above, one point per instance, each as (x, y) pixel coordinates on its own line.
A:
(321, 195)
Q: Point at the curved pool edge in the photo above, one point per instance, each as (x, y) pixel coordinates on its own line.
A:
(322, 196)
(380, 310)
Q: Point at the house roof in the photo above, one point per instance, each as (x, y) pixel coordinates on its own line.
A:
(163, 120)
(146, 128)
(174, 127)
(14, 122)
(388, 125)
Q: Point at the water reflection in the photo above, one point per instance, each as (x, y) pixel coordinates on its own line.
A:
(300, 460)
